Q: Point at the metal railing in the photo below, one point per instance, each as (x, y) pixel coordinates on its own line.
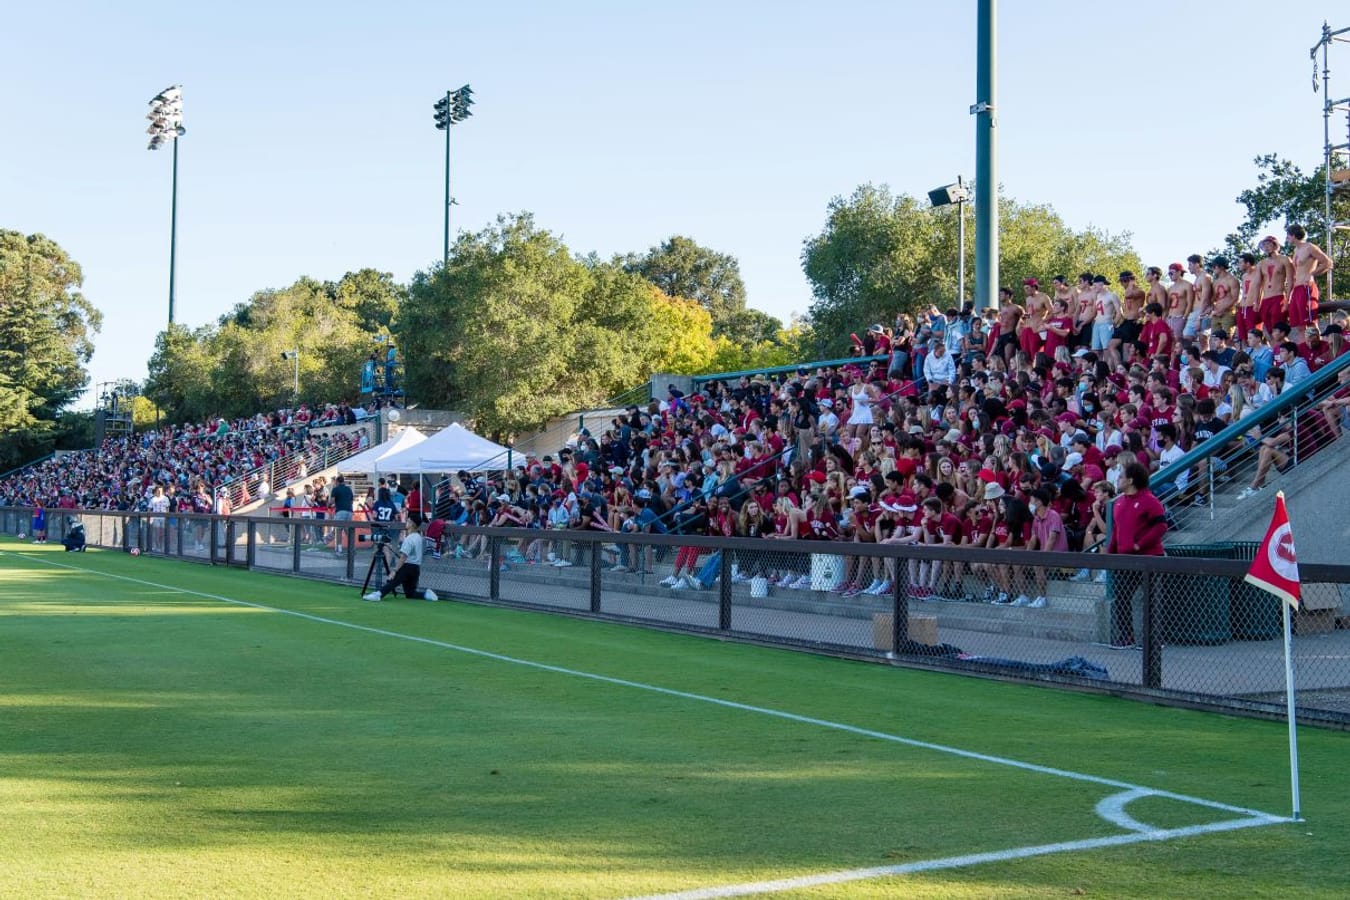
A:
(774, 370)
(1283, 433)
(1186, 631)
(279, 473)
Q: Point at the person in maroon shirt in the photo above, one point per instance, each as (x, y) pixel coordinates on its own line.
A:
(1138, 523)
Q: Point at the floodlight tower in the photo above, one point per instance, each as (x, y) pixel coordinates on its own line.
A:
(166, 126)
(451, 109)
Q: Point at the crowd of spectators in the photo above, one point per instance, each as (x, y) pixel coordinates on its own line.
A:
(1012, 429)
(186, 464)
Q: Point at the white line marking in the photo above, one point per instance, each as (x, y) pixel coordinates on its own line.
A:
(956, 862)
(1112, 809)
(684, 695)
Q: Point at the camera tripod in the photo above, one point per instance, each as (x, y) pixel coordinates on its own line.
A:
(379, 560)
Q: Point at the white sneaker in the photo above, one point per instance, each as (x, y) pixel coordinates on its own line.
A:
(679, 586)
(1022, 600)
(872, 588)
(373, 597)
(1001, 599)
(1247, 492)
(1080, 575)
(1038, 603)
(561, 563)
(667, 582)
(431, 595)
(691, 582)
(802, 584)
(1101, 577)
(552, 557)
(882, 588)
(738, 578)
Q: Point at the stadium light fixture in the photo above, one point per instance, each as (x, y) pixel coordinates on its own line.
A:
(166, 126)
(452, 109)
(957, 194)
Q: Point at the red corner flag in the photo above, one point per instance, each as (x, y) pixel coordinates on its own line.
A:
(1275, 568)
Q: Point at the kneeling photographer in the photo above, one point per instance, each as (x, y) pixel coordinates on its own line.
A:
(408, 565)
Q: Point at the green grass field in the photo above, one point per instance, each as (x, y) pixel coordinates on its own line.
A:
(158, 742)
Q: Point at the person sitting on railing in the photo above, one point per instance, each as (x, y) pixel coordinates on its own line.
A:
(1272, 440)
(1334, 406)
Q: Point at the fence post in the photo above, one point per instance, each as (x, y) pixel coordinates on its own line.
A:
(724, 591)
(1152, 646)
(1295, 426)
(351, 552)
(595, 575)
(900, 605)
(295, 545)
(251, 552)
(494, 569)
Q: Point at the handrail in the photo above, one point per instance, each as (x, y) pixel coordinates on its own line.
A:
(1283, 403)
(773, 370)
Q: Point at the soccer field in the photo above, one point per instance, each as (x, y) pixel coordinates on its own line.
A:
(170, 729)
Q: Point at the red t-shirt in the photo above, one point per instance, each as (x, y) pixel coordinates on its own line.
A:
(822, 527)
(1054, 341)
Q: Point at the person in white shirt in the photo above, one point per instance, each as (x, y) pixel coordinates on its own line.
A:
(408, 565)
(939, 367)
(1214, 370)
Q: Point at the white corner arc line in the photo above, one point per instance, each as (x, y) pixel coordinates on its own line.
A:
(685, 695)
(1112, 809)
(957, 862)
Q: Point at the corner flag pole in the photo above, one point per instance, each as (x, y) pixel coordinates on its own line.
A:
(1275, 570)
(1289, 708)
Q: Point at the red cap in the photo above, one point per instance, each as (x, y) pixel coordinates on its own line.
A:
(1067, 418)
(1269, 238)
(1176, 267)
(816, 476)
(1031, 282)
(987, 475)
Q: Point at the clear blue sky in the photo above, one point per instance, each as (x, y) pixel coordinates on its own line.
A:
(311, 150)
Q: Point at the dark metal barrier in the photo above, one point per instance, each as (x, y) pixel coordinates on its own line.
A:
(1185, 631)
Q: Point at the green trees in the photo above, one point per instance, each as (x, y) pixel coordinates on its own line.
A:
(234, 367)
(682, 268)
(517, 330)
(46, 339)
(880, 254)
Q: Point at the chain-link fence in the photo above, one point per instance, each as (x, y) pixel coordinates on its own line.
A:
(1184, 628)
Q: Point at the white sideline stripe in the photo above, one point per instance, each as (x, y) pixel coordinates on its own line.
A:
(684, 695)
(957, 862)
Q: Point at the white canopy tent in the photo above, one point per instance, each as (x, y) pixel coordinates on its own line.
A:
(448, 450)
(371, 459)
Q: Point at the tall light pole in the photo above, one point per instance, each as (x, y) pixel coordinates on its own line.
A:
(166, 126)
(451, 109)
(294, 356)
(960, 195)
(986, 155)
